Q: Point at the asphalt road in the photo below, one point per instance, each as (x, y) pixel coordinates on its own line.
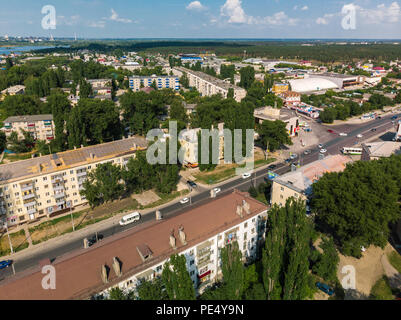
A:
(333, 144)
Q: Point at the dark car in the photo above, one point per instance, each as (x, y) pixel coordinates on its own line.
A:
(379, 117)
(192, 184)
(331, 131)
(325, 288)
(92, 240)
(271, 167)
(394, 117)
(5, 264)
(373, 130)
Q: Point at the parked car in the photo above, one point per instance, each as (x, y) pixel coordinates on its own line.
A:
(192, 184)
(293, 156)
(373, 130)
(320, 146)
(184, 201)
(246, 175)
(359, 136)
(323, 150)
(216, 190)
(271, 167)
(343, 134)
(331, 131)
(379, 118)
(325, 288)
(394, 117)
(306, 152)
(93, 239)
(5, 264)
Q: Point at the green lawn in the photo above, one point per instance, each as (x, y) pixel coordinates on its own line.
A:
(395, 259)
(381, 290)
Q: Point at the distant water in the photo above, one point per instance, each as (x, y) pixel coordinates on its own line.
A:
(19, 50)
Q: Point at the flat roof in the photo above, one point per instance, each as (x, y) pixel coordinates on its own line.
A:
(30, 168)
(302, 179)
(382, 149)
(78, 277)
(334, 75)
(28, 118)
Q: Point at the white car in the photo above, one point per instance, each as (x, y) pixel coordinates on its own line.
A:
(323, 150)
(320, 146)
(216, 190)
(184, 201)
(343, 134)
(359, 136)
(246, 175)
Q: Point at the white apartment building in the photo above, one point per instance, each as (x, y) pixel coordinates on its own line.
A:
(49, 185)
(40, 126)
(169, 82)
(208, 85)
(198, 233)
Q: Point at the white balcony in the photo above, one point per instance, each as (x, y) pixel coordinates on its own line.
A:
(26, 187)
(28, 196)
(31, 211)
(81, 174)
(59, 195)
(29, 204)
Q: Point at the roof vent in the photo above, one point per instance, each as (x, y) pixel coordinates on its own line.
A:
(105, 273)
(172, 240)
(246, 207)
(239, 211)
(182, 235)
(144, 252)
(117, 266)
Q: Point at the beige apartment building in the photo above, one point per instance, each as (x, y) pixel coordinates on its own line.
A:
(298, 184)
(208, 85)
(40, 126)
(49, 185)
(162, 82)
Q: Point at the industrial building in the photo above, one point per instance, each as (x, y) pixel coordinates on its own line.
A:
(324, 81)
(208, 85)
(45, 186)
(40, 127)
(198, 234)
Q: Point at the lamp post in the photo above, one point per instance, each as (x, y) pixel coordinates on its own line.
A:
(9, 240)
(72, 218)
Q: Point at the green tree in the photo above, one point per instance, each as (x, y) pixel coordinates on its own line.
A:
(326, 264)
(273, 134)
(151, 290)
(233, 271)
(3, 141)
(177, 280)
(247, 77)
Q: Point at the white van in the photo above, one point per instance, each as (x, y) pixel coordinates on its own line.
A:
(130, 218)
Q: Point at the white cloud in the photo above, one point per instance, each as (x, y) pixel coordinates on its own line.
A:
(97, 24)
(195, 5)
(236, 14)
(115, 17)
(304, 8)
(325, 19)
(380, 14)
(68, 21)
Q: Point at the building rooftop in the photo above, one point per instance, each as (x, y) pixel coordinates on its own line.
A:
(382, 149)
(302, 179)
(33, 118)
(69, 159)
(79, 276)
(334, 75)
(213, 80)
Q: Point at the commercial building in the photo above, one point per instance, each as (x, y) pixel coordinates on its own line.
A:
(208, 85)
(279, 88)
(324, 81)
(298, 184)
(290, 98)
(378, 150)
(138, 82)
(287, 116)
(41, 127)
(198, 234)
(49, 185)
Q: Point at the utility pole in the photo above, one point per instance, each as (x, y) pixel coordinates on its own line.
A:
(72, 218)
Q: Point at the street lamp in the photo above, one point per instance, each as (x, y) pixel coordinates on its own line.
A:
(9, 240)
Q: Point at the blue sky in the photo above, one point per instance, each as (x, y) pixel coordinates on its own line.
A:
(203, 18)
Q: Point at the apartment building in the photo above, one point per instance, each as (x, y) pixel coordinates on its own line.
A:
(49, 185)
(40, 126)
(99, 83)
(208, 85)
(198, 233)
(298, 183)
(169, 82)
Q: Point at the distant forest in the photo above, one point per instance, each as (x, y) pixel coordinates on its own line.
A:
(322, 52)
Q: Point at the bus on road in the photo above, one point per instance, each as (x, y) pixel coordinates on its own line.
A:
(350, 150)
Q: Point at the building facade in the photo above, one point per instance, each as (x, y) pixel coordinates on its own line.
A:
(41, 127)
(272, 114)
(169, 82)
(208, 85)
(49, 185)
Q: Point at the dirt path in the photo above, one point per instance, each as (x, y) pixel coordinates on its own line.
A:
(392, 274)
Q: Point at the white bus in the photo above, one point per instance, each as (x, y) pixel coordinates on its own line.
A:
(130, 218)
(353, 151)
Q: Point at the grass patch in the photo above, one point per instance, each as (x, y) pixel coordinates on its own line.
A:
(395, 259)
(18, 240)
(164, 198)
(381, 290)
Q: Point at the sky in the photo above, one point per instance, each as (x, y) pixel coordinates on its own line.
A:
(283, 19)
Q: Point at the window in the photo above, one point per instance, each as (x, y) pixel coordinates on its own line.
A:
(46, 186)
(253, 230)
(14, 186)
(47, 194)
(219, 237)
(244, 247)
(71, 171)
(245, 234)
(281, 196)
(246, 225)
(282, 188)
(44, 178)
(72, 179)
(192, 273)
(16, 194)
(48, 201)
(191, 262)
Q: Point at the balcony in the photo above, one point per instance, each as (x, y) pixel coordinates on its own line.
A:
(81, 179)
(58, 187)
(26, 187)
(60, 201)
(81, 174)
(31, 211)
(59, 195)
(57, 179)
(29, 204)
(28, 196)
